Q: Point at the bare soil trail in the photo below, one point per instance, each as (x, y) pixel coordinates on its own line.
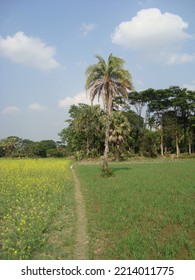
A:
(81, 247)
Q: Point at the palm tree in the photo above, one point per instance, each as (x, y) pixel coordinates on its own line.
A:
(119, 130)
(107, 80)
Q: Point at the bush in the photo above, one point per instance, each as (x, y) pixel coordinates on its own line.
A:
(79, 155)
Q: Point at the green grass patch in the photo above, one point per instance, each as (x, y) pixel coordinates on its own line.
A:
(146, 211)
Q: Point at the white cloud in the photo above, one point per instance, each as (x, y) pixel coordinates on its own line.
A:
(190, 86)
(79, 98)
(36, 107)
(87, 28)
(181, 58)
(30, 51)
(11, 110)
(159, 35)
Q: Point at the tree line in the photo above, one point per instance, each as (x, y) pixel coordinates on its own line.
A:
(168, 126)
(16, 147)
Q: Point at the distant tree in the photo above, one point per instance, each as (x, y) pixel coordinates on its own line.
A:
(183, 104)
(2, 150)
(44, 146)
(84, 134)
(138, 100)
(172, 132)
(119, 131)
(107, 80)
(150, 143)
(29, 148)
(11, 145)
(135, 138)
(159, 102)
(191, 134)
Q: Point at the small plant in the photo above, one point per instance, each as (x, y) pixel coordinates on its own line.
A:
(107, 173)
(79, 155)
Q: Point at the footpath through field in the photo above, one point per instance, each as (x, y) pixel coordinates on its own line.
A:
(81, 247)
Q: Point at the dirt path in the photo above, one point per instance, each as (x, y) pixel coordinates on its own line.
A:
(81, 247)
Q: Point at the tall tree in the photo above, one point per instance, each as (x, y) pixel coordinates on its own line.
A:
(119, 131)
(107, 80)
(183, 103)
(138, 100)
(159, 102)
(83, 136)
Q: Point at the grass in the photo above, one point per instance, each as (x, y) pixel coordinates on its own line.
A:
(146, 211)
(37, 209)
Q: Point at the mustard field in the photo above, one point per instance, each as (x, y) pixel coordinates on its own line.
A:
(32, 192)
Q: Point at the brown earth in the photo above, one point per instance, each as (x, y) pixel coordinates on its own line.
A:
(81, 247)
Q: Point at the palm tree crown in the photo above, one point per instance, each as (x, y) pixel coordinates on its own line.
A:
(108, 80)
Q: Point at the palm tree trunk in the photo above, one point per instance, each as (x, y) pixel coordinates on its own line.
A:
(106, 147)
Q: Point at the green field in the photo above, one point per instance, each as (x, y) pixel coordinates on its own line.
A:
(37, 218)
(146, 211)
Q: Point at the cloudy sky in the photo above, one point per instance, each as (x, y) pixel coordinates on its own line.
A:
(46, 45)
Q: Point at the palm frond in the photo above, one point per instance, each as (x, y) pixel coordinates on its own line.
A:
(108, 79)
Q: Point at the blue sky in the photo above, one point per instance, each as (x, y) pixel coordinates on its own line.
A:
(46, 45)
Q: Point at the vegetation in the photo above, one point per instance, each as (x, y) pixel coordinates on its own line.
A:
(36, 209)
(14, 147)
(133, 215)
(84, 135)
(168, 128)
(108, 81)
(145, 212)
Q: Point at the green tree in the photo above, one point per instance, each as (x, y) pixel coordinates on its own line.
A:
(150, 143)
(29, 148)
(84, 134)
(11, 145)
(132, 143)
(107, 80)
(119, 131)
(44, 146)
(138, 100)
(171, 132)
(135, 138)
(159, 102)
(183, 104)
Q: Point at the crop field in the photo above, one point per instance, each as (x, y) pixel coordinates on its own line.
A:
(36, 209)
(146, 211)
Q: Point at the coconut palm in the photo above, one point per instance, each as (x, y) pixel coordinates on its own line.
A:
(107, 80)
